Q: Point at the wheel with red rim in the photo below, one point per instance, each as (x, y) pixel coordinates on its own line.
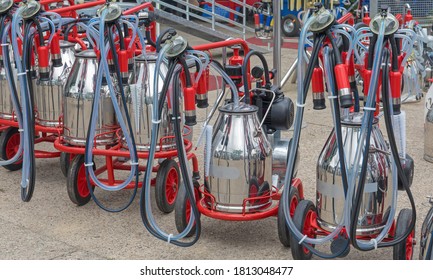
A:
(182, 211)
(9, 143)
(283, 229)
(304, 217)
(76, 185)
(404, 250)
(167, 185)
(65, 161)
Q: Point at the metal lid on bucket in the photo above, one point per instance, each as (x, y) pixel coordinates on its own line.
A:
(86, 54)
(147, 57)
(5, 6)
(355, 119)
(31, 9)
(242, 108)
(66, 44)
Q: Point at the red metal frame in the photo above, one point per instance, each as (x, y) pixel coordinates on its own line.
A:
(45, 134)
(112, 164)
(244, 216)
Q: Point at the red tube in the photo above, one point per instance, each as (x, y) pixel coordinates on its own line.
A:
(395, 80)
(43, 61)
(123, 61)
(78, 7)
(55, 50)
(189, 105)
(319, 102)
(222, 44)
(367, 80)
(123, 64)
(343, 86)
(347, 18)
(55, 44)
(202, 89)
(146, 5)
(317, 81)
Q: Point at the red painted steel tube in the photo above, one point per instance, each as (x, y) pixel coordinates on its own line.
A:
(236, 217)
(78, 7)
(46, 2)
(222, 44)
(347, 18)
(116, 152)
(147, 5)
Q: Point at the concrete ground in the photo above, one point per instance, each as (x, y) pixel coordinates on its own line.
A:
(51, 227)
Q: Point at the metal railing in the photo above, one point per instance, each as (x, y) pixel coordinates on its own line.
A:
(422, 10)
(216, 21)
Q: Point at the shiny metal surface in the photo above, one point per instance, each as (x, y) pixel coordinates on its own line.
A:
(240, 162)
(428, 137)
(280, 154)
(48, 94)
(77, 104)
(139, 97)
(6, 106)
(376, 201)
(426, 246)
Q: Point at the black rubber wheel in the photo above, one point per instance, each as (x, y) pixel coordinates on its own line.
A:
(167, 185)
(290, 26)
(304, 213)
(283, 229)
(76, 183)
(9, 143)
(404, 250)
(182, 211)
(65, 161)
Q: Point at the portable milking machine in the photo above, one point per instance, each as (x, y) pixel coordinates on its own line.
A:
(244, 154)
(358, 172)
(122, 72)
(30, 36)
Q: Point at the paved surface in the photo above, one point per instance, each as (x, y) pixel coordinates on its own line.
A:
(51, 227)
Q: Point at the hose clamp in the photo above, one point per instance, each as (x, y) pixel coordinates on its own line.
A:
(369, 109)
(303, 239)
(300, 105)
(88, 164)
(169, 237)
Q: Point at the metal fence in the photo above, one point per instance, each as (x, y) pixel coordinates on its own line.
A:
(422, 10)
(219, 17)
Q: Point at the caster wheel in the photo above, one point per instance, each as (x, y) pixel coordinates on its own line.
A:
(290, 26)
(167, 185)
(9, 144)
(404, 250)
(76, 185)
(305, 214)
(182, 211)
(283, 229)
(65, 161)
